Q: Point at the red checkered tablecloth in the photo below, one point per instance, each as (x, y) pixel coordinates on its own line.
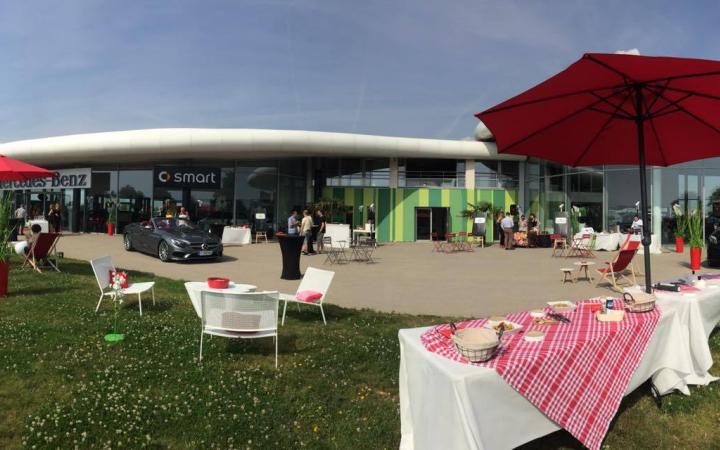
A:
(577, 376)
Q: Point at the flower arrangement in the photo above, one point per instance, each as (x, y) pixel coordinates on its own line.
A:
(680, 221)
(118, 281)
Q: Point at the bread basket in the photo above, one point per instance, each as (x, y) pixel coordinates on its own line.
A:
(639, 303)
(476, 344)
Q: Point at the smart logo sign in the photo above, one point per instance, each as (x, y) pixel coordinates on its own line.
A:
(187, 177)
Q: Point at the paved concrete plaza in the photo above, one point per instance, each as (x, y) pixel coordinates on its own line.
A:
(407, 277)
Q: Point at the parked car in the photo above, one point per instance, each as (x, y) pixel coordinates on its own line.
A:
(172, 240)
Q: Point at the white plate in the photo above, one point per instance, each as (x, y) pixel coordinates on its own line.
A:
(567, 305)
(515, 326)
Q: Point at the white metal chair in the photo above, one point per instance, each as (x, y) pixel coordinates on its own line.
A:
(102, 268)
(249, 315)
(317, 280)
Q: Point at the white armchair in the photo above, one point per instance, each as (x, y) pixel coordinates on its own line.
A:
(317, 280)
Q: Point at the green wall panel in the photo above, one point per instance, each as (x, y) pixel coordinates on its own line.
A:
(382, 215)
(434, 197)
(411, 201)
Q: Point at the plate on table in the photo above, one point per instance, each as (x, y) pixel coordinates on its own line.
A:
(562, 306)
(510, 327)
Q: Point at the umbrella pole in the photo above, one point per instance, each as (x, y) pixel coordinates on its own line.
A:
(646, 236)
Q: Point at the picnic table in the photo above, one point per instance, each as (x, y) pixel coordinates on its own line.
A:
(447, 402)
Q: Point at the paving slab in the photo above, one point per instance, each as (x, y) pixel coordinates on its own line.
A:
(406, 277)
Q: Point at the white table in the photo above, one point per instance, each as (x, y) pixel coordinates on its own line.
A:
(44, 226)
(609, 241)
(446, 404)
(356, 234)
(236, 235)
(196, 288)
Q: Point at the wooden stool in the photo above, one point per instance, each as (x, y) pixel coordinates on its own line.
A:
(561, 244)
(261, 234)
(567, 275)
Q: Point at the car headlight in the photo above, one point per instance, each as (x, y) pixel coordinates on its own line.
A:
(179, 242)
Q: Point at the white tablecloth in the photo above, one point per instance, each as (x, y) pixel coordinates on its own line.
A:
(446, 404)
(195, 289)
(236, 235)
(44, 227)
(608, 241)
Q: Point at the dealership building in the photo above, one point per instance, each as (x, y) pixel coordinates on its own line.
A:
(229, 176)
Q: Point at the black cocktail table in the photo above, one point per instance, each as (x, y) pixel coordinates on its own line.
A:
(290, 247)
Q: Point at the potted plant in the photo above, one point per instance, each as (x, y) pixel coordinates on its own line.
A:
(112, 218)
(680, 228)
(574, 220)
(694, 226)
(474, 212)
(6, 232)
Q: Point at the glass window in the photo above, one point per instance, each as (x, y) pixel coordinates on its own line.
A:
(134, 195)
(509, 174)
(100, 201)
(377, 172)
(351, 172)
(623, 192)
(431, 173)
(255, 193)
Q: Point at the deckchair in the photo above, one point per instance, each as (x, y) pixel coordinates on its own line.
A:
(316, 280)
(620, 267)
(40, 250)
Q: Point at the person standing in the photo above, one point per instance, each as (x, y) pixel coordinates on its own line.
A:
(183, 216)
(507, 224)
(20, 218)
(321, 230)
(498, 228)
(293, 223)
(306, 230)
(51, 218)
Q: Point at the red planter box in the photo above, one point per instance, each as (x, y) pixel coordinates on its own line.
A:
(4, 274)
(679, 244)
(695, 257)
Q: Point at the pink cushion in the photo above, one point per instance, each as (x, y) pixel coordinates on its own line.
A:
(308, 296)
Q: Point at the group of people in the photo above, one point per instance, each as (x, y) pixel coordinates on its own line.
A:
(312, 229)
(54, 217)
(525, 234)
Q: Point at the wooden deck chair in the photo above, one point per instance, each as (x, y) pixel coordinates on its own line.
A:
(314, 280)
(40, 250)
(620, 267)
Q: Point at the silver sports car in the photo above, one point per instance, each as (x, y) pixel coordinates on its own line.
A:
(172, 240)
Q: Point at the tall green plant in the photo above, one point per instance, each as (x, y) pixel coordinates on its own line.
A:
(574, 220)
(694, 226)
(6, 227)
(333, 208)
(474, 208)
(680, 221)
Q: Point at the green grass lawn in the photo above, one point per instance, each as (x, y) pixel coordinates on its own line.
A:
(62, 386)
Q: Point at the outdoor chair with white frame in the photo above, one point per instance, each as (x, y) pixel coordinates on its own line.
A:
(246, 315)
(314, 280)
(102, 267)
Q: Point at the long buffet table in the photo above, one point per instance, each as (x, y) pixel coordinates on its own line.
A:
(446, 404)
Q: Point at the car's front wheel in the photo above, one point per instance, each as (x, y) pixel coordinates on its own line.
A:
(128, 243)
(164, 252)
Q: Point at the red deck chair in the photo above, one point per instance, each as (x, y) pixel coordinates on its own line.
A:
(40, 250)
(620, 267)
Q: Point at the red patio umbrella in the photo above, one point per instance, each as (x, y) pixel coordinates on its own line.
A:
(14, 170)
(616, 109)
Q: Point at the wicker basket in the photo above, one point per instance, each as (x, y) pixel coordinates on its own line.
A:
(640, 303)
(475, 343)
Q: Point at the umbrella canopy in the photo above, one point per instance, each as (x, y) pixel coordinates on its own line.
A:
(616, 109)
(14, 170)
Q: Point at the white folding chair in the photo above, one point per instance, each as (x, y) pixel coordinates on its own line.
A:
(317, 280)
(249, 315)
(102, 268)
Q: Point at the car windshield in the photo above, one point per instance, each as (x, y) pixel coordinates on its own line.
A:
(171, 224)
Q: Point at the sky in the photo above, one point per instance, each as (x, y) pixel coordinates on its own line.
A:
(417, 68)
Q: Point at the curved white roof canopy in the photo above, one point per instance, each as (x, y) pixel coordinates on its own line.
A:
(172, 144)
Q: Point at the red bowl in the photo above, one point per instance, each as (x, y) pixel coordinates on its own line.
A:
(218, 283)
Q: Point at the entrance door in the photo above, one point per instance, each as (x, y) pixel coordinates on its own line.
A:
(431, 220)
(423, 224)
(440, 221)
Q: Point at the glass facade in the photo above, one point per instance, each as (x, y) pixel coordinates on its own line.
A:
(609, 196)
